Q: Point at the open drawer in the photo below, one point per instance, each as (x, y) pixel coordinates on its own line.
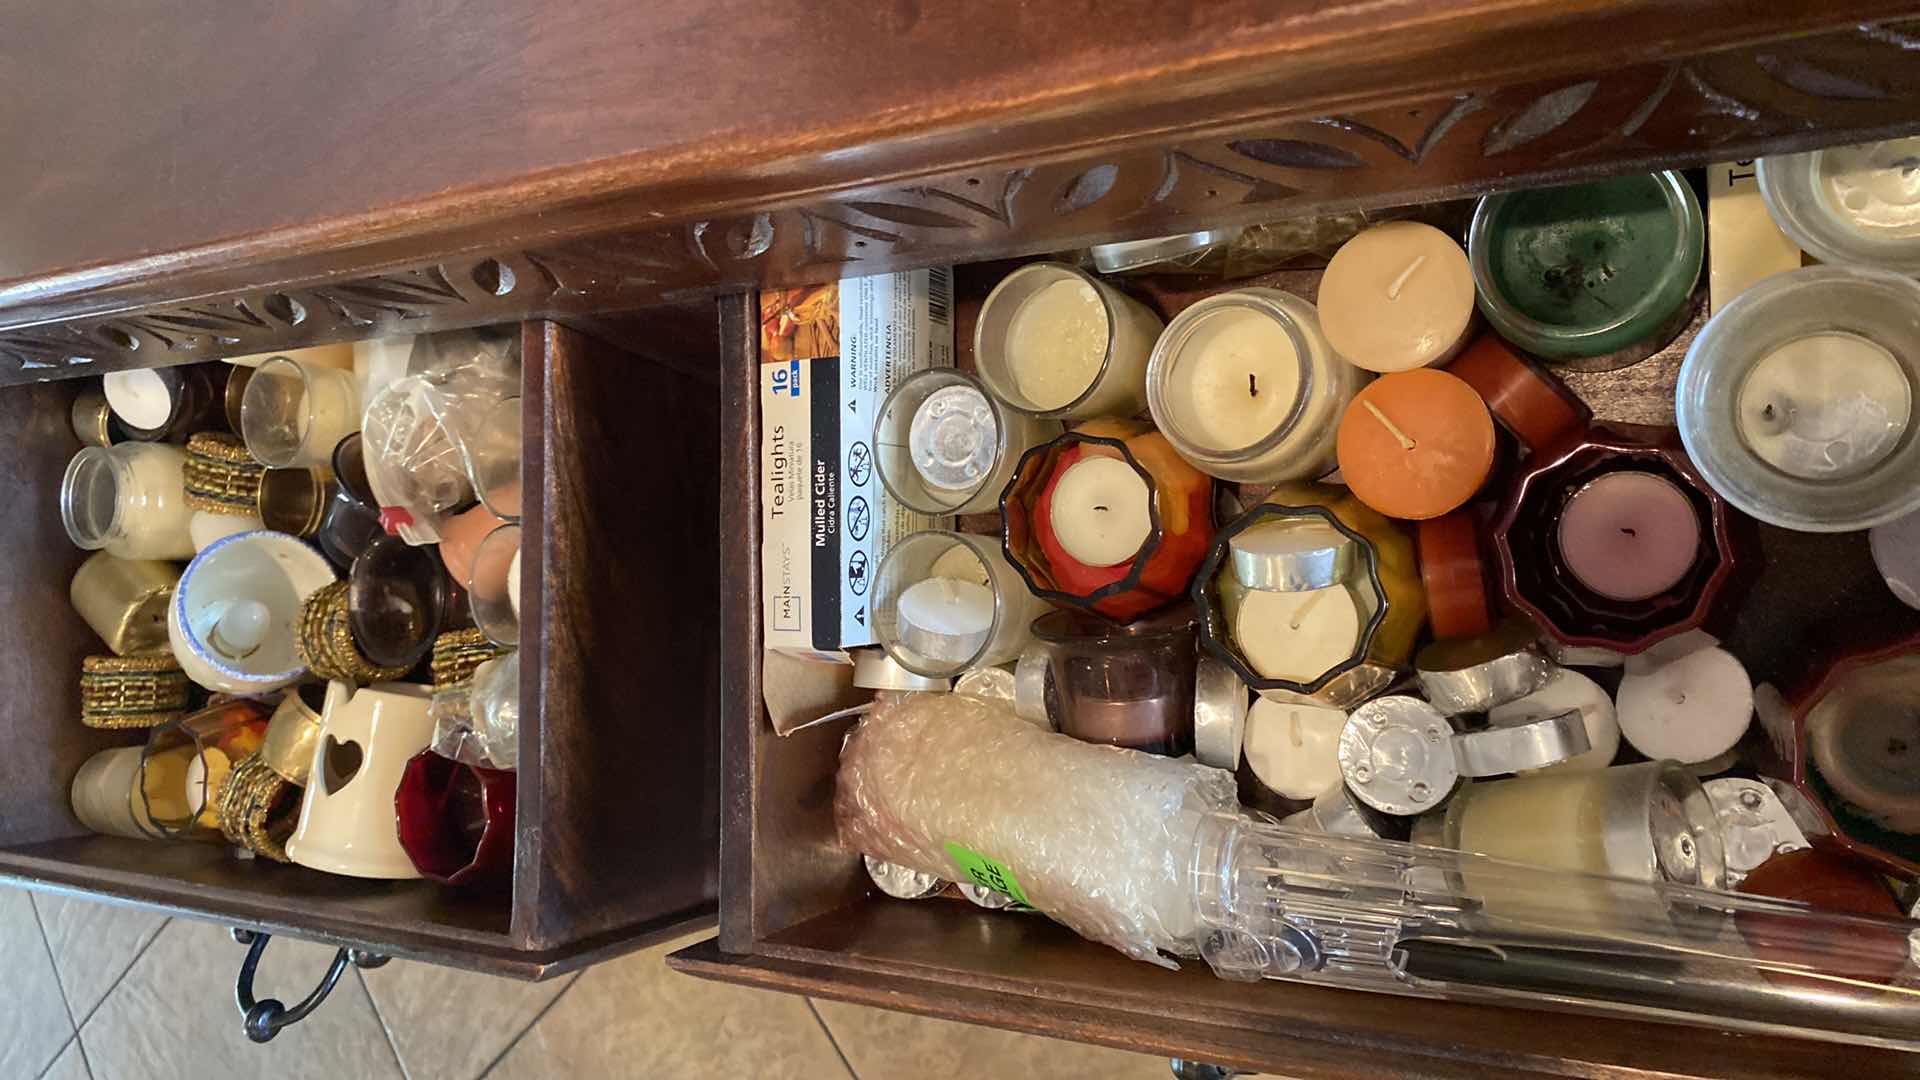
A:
(800, 915)
(618, 803)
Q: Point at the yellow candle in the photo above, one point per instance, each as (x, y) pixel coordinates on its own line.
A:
(1396, 297)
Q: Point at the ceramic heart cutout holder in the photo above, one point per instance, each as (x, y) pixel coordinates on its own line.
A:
(347, 821)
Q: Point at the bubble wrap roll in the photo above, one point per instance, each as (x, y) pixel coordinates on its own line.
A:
(1097, 837)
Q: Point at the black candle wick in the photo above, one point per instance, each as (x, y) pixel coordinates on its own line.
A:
(1253, 388)
(1100, 508)
(1629, 532)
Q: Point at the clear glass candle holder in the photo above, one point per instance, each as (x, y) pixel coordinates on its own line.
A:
(944, 602)
(295, 414)
(944, 445)
(1057, 342)
(1245, 386)
(1795, 401)
(129, 500)
(1851, 205)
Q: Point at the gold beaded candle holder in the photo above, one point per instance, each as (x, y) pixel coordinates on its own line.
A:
(221, 477)
(457, 653)
(326, 642)
(258, 809)
(119, 692)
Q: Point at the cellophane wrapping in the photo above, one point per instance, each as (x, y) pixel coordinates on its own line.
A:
(1097, 837)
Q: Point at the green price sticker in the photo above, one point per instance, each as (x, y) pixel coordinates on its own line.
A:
(985, 872)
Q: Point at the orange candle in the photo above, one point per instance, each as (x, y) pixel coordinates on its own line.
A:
(1455, 576)
(1416, 444)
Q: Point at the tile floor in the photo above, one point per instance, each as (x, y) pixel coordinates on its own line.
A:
(101, 991)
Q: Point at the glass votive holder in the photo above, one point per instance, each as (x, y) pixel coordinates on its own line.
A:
(1796, 400)
(943, 445)
(1850, 205)
(1611, 539)
(1601, 273)
(493, 587)
(125, 601)
(944, 602)
(167, 404)
(1246, 387)
(489, 434)
(1057, 342)
(396, 600)
(184, 764)
(456, 820)
(294, 501)
(351, 520)
(295, 414)
(129, 500)
(1335, 638)
(106, 795)
(1130, 686)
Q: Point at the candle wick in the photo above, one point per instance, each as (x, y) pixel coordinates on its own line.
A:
(1253, 388)
(1301, 611)
(1679, 697)
(1405, 443)
(1393, 290)
(1629, 532)
(1100, 508)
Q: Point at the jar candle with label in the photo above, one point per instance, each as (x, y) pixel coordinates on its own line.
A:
(1246, 387)
(943, 445)
(1396, 297)
(944, 602)
(1056, 342)
(1855, 205)
(129, 500)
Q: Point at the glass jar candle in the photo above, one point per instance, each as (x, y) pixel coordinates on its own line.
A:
(295, 413)
(1600, 272)
(943, 445)
(1856, 205)
(129, 500)
(1056, 342)
(944, 602)
(1245, 386)
(1796, 400)
(1130, 686)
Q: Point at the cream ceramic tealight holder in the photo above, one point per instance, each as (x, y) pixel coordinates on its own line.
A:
(348, 824)
(234, 620)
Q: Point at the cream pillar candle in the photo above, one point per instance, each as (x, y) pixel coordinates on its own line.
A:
(1294, 749)
(1691, 710)
(139, 398)
(1568, 690)
(1297, 635)
(946, 620)
(1101, 511)
(1396, 297)
(1825, 406)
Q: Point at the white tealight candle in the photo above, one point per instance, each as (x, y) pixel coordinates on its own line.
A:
(1826, 406)
(513, 584)
(1568, 690)
(1056, 342)
(1294, 749)
(1691, 710)
(1297, 635)
(1896, 552)
(1396, 297)
(945, 620)
(1101, 511)
(140, 398)
(1237, 382)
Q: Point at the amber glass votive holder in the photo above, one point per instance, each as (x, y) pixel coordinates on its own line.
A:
(1534, 577)
(1180, 507)
(186, 762)
(1128, 686)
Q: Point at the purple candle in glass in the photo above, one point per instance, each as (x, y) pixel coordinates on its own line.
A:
(1629, 535)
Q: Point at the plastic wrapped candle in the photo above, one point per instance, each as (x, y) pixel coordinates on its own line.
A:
(1396, 297)
(1629, 535)
(1693, 709)
(1830, 404)
(1416, 444)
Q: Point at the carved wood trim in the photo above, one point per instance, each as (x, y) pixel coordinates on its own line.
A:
(1863, 83)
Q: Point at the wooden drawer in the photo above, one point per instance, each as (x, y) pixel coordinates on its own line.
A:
(619, 800)
(799, 915)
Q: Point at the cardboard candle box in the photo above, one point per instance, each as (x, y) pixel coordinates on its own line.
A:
(829, 355)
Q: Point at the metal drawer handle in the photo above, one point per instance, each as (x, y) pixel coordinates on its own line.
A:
(264, 1019)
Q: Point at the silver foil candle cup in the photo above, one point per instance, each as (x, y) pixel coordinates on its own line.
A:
(944, 602)
(900, 882)
(1400, 756)
(1475, 674)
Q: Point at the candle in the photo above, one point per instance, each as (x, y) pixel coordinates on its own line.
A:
(1246, 387)
(1527, 400)
(1864, 740)
(1896, 553)
(1850, 204)
(1129, 686)
(1691, 710)
(1396, 297)
(513, 583)
(1454, 576)
(1060, 336)
(1416, 444)
(129, 500)
(1054, 341)
(1629, 535)
(125, 601)
(1828, 405)
(140, 398)
(942, 445)
(1292, 555)
(1297, 635)
(1294, 749)
(946, 620)
(1565, 691)
(1101, 511)
(238, 631)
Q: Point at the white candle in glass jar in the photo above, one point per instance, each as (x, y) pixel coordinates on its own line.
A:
(1237, 381)
(1101, 511)
(945, 619)
(1396, 297)
(1294, 749)
(1056, 343)
(1826, 406)
(1564, 691)
(1691, 710)
(1297, 635)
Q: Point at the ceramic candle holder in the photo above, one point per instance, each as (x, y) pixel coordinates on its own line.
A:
(1130, 686)
(232, 623)
(1383, 584)
(1179, 500)
(456, 820)
(1533, 570)
(347, 821)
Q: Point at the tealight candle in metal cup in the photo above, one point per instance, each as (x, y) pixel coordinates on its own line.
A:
(944, 445)
(944, 602)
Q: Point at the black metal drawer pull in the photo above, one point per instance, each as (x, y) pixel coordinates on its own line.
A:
(264, 1019)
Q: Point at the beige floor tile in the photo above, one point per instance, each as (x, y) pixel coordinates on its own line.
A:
(633, 1017)
(885, 1045)
(70, 1065)
(33, 1016)
(451, 1025)
(173, 1016)
(93, 944)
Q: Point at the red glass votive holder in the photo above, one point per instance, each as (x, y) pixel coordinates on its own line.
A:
(1626, 464)
(456, 820)
(1175, 535)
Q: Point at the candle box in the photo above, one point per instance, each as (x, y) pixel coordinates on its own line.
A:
(829, 355)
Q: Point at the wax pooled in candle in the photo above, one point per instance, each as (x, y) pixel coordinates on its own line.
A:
(140, 398)
(1825, 406)
(1237, 382)
(1874, 187)
(1568, 690)
(1297, 635)
(1056, 342)
(1691, 710)
(1397, 296)
(944, 619)
(1629, 535)
(1294, 749)
(1101, 511)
